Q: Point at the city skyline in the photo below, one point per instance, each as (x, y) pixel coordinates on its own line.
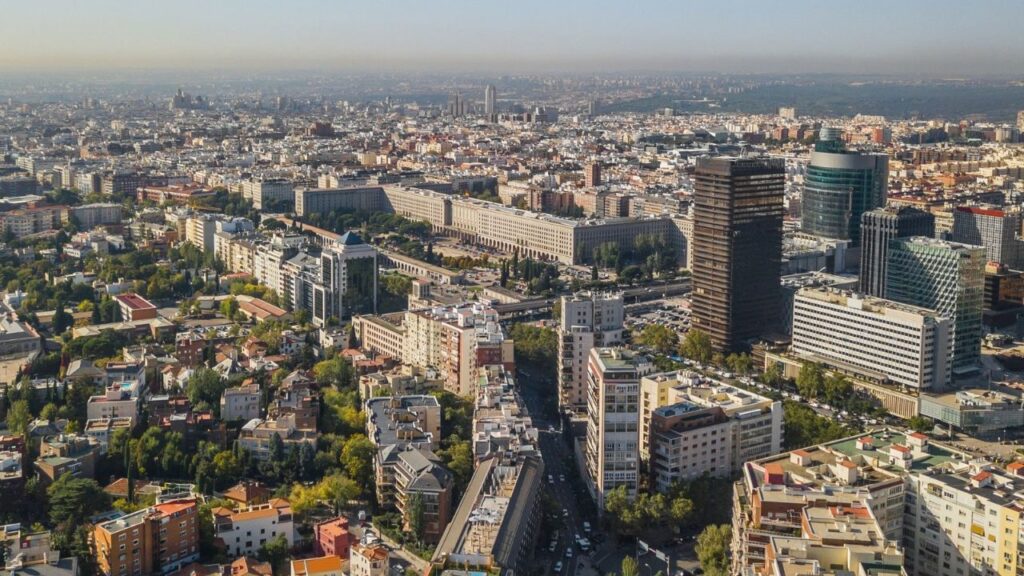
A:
(738, 37)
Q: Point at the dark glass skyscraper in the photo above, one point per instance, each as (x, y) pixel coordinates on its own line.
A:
(737, 245)
(877, 229)
(839, 186)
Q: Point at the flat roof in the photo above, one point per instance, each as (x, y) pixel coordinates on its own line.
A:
(134, 301)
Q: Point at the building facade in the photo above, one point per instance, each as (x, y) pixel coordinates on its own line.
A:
(155, 540)
(877, 229)
(946, 277)
(876, 339)
(588, 319)
(613, 421)
(997, 230)
(839, 186)
(737, 243)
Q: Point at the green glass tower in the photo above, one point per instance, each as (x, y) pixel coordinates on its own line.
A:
(946, 277)
(840, 185)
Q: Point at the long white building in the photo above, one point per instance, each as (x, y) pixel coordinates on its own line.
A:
(531, 234)
(872, 338)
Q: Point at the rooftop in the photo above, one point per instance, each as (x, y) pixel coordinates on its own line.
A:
(134, 301)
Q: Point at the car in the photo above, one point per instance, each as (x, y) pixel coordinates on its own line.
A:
(586, 527)
(561, 477)
(552, 546)
(568, 552)
(558, 567)
(565, 513)
(551, 479)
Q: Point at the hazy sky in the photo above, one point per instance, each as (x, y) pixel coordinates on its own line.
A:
(893, 36)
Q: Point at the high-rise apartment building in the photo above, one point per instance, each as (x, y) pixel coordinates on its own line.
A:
(737, 245)
(997, 230)
(588, 319)
(879, 227)
(592, 174)
(873, 338)
(839, 186)
(613, 421)
(946, 277)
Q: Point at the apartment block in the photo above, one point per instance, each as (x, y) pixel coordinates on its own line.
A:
(268, 191)
(588, 320)
(89, 216)
(155, 540)
(458, 341)
(894, 496)
(405, 430)
(704, 427)
(613, 421)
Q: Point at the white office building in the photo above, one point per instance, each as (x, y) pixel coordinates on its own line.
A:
(872, 338)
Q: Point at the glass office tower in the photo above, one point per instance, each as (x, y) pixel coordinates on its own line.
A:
(840, 185)
(946, 277)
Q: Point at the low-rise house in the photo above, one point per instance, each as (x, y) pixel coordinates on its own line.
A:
(333, 538)
(369, 560)
(67, 454)
(257, 434)
(246, 530)
(240, 403)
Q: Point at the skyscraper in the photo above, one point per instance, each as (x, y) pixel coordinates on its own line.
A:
(490, 97)
(613, 420)
(994, 229)
(839, 186)
(946, 277)
(456, 105)
(737, 248)
(878, 228)
(588, 320)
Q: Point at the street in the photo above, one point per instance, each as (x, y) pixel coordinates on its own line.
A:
(536, 390)
(606, 555)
